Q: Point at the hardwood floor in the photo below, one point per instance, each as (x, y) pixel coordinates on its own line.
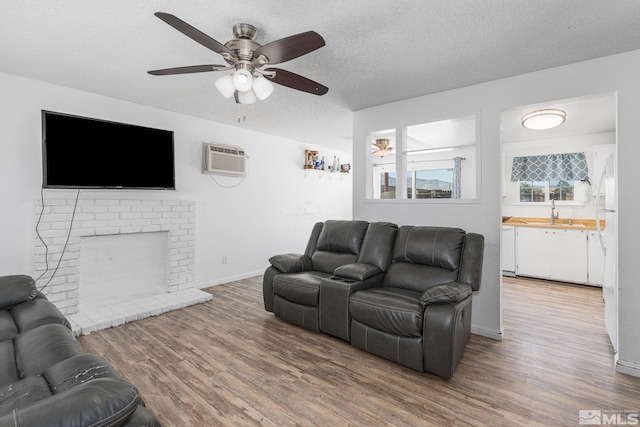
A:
(228, 362)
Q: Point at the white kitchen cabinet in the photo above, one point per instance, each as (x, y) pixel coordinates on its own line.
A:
(532, 252)
(568, 252)
(595, 260)
(552, 253)
(508, 250)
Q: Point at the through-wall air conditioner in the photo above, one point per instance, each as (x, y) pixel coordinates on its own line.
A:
(221, 159)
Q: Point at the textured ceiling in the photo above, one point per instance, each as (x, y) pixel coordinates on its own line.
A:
(377, 51)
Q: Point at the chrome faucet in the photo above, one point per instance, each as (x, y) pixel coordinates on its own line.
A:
(554, 214)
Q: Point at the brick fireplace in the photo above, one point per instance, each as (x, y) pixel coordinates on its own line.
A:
(113, 217)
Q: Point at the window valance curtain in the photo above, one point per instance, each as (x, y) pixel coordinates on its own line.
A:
(550, 167)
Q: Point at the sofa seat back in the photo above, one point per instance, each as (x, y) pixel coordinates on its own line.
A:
(424, 257)
(338, 244)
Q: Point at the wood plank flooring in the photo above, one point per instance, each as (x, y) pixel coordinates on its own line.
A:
(229, 363)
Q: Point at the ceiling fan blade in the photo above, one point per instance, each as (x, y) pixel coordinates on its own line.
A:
(291, 47)
(295, 81)
(189, 69)
(194, 33)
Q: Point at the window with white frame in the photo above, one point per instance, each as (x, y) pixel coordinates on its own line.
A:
(543, 191)
(438, 159)
(430, 183)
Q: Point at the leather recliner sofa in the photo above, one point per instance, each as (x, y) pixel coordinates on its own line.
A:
(293, 283)
(45, 380)
(406, 298)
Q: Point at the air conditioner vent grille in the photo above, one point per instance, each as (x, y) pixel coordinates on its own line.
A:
(223, 159)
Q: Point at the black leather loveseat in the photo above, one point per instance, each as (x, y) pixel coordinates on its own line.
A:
(403, 294)
(45, 380)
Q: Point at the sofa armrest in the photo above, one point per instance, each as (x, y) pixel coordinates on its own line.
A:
(16, 289)
(446, 331)
(99, 402)
(291, 263)
(358, 271)
(451, 293)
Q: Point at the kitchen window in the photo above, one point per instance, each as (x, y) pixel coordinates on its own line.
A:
(546, 177)
(542, 191)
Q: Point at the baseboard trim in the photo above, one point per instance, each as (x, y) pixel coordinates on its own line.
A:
(227, 279)
(495, 334)
(628, 368)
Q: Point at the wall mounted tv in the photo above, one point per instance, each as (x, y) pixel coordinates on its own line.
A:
(80, 152)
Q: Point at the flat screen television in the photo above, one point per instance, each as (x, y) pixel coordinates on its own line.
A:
(81, 152)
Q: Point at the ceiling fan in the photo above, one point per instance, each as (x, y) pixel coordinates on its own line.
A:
(250, 81)
(381, 147)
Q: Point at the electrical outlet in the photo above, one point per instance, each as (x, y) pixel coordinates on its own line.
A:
(224, 259)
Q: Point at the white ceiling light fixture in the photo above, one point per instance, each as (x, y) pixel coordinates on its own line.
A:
(225, 85)
(247, 97)
(262, 87)
(242, 80)
(544, 119)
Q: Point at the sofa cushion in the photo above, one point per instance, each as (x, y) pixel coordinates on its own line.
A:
(16, 289)
(99, 403)
(8, 328)
(392, 310)
(78, 370)
(38, 349)
(29, 315)
(416, 277)
(8, 369)
(377, 246)
(23, 392)
(432, 246)
(342, 236)
(301, 288)
(327, 262)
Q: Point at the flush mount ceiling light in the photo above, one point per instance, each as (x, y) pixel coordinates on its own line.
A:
(243, 54)
(544, 119)
(382, 147)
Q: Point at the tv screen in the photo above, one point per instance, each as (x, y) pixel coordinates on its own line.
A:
(80, 152)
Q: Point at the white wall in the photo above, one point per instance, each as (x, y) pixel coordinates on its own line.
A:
(615, 73)
(271, 212)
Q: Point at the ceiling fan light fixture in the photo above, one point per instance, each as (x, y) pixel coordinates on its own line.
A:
(544, 119)
(262, 87)
(383, 148)
(247, 97)
(243, 80)
(225, 86)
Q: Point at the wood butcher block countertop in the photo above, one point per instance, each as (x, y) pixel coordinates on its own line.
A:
(578, 224)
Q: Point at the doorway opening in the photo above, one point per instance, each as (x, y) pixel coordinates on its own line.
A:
(558, 199)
